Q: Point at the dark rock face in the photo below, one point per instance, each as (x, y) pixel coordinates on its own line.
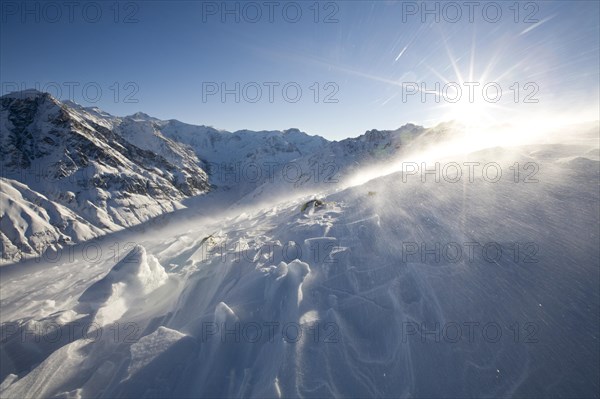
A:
(21, 147)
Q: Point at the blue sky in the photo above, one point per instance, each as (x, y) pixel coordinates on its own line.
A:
(366, 60)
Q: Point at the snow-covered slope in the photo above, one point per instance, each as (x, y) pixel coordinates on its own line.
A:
(30, 220)
(252, 163)
(93, 173)
(334, 163)
(78, 177)
(396, 287)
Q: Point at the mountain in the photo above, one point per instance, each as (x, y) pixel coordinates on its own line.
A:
(71, 173)
(78, 177)
(396, 287)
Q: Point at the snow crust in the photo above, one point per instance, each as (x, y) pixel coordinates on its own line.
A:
(210, 304)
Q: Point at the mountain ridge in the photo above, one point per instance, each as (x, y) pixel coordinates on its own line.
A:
(102, 173)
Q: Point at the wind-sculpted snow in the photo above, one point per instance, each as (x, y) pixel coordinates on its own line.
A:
(109, 173)
(392, 288)
(132, 280)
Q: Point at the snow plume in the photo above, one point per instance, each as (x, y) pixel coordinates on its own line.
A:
(488, 287)
(453, 141)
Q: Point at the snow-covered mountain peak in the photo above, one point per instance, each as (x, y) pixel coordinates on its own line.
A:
(294, 285)
(25, 94)
(93, 178)
(141, 116)
(108, 172)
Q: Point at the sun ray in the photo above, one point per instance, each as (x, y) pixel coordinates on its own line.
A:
(453, 62)
(472, 59)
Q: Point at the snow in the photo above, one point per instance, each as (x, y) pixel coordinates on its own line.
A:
(78, 179)
(118, 172)
(250, 297)
(128, 283)
(150, 347)
(32, 221)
